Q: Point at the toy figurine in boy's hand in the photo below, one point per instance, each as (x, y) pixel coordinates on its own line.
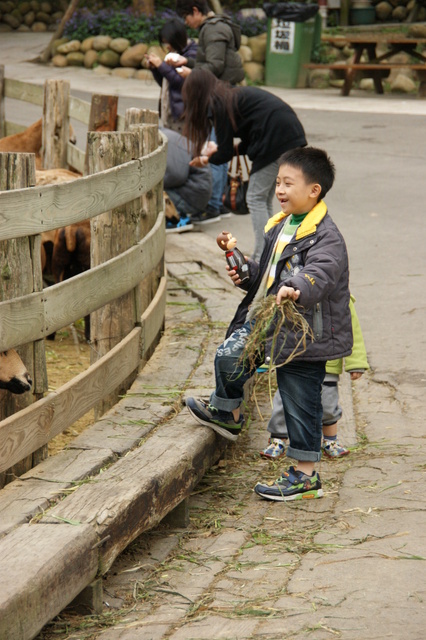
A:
(235, 259)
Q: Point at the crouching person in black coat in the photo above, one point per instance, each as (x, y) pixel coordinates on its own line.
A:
(189, 188)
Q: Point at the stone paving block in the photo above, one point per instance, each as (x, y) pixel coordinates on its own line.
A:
(138, 632)
(215, 628)
(384, 533)
(340, 584)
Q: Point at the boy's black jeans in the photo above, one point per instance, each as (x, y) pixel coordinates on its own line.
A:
(299, 383)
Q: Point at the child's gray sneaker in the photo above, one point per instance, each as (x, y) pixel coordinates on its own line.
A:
(220, 421)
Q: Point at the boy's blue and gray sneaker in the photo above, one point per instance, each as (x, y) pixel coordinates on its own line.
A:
(220, 421)
(293, 485)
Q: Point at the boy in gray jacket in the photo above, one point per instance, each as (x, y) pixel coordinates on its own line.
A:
(305, 260)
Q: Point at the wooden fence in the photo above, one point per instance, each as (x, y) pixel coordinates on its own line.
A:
(129, 188)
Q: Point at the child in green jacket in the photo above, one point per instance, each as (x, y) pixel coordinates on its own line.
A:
(355, 364)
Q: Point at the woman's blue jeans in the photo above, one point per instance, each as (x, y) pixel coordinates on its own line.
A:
(219, 180)
(299, 383)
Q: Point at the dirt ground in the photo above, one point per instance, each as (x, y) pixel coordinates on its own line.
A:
(67, 356)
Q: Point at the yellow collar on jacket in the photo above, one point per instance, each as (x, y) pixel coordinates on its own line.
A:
(309, 223)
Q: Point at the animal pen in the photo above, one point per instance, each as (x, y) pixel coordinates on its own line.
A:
(125, 293)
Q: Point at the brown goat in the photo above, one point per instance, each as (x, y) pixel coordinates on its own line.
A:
(71, 256)
(46, 177)
(55, 176)
(29, 141)
(71, 251)
(13, 373)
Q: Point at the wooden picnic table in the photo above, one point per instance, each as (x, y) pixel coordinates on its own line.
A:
(378, 66)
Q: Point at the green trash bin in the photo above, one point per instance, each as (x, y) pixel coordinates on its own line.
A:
(289, 46)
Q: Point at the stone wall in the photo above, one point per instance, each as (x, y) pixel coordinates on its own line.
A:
(34, 15)
(115, 56)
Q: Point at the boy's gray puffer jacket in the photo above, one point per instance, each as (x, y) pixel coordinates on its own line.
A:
(218, 45)
(316, 263)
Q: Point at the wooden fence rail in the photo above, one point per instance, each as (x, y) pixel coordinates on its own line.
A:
(31, 317)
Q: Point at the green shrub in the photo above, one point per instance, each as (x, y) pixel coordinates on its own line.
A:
(115, 21)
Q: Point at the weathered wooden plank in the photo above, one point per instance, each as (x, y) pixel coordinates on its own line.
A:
(24, 91)
(75, 157)
(55, 124)
(152, 319)
(11, 128)
(112, 233)
(19, 277)
(51, 565)
(30, 211)
(140, 489)
(79, 109)
(2, 117)
(34, 426)
(120, 123)
(38, 314)
(149, 402)
(36, 490)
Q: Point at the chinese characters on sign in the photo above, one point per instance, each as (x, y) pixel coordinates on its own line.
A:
(282, 36)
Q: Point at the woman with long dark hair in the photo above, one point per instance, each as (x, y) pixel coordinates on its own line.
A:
(266, 125)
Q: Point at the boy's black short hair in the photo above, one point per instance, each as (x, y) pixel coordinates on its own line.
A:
(315, 165)
(184, 7)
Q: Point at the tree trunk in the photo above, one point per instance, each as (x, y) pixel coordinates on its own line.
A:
(47, 53)
(141, 7)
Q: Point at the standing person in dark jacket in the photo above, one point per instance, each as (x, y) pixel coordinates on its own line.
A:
(218, 44)
(266, 125)
(304, 260)
(174, 38)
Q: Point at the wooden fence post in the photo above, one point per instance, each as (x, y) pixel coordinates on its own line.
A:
(55, 124)
(20, 274)
(152, 204)
(103, 116)
(145, 121)
(2, 118)
(112, 233)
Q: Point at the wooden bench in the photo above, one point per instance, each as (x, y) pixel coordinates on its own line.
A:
(377, 71)
(378, 64)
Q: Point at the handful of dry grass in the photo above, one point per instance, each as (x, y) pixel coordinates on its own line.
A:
(270, 315)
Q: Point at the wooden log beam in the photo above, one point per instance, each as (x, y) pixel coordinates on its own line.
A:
(139, 490)
(51, 564)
